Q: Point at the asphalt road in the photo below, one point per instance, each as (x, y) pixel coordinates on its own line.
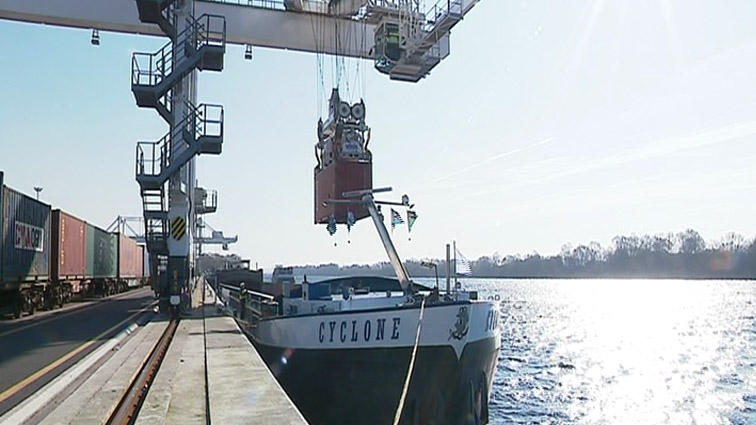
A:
(31, 349)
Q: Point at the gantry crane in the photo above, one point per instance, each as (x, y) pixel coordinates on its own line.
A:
(404, 39)
(123, 225)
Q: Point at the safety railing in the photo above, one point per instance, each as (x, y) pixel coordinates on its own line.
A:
(150, 69)
(206, 200)
(210, 30)
(166, 101)
(201, 121)
(155, 231)
(256, 305)
(441, 10)
(208, 121)
(150, 157)
(154, 201)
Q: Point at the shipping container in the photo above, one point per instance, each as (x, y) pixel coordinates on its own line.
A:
(130, 259)
(25, 246)
(69, 248)
(332, 181)
(102, 254)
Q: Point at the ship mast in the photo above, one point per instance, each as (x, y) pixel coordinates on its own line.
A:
(366, 200)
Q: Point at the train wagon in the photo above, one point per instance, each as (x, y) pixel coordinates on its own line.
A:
(68, 264)
(102, 261)
(24, 252)
(130, 263)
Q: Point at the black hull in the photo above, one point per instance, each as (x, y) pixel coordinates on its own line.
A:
(363, 386)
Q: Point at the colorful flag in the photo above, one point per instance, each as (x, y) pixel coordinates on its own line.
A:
(411, 217)
(462, 266)
(396, 219)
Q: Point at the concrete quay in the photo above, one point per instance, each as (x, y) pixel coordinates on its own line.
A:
(211, 374)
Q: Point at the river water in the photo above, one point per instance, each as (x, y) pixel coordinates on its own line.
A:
(624, 351)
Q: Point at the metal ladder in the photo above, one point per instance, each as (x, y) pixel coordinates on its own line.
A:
(201, 45)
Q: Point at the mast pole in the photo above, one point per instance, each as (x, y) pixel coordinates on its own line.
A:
(448, 270)
(396, 263)
(455, 265)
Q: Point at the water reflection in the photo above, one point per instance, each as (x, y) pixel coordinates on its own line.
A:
(625, 352)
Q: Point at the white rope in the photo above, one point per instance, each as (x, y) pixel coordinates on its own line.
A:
(411, 365)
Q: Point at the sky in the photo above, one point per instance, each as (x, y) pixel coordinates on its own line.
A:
(551, 122)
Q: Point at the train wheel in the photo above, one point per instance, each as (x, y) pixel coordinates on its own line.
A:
(48, 302)
(18, 309)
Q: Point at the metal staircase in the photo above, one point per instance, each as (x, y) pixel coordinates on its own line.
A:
(155, 221)
(200, 132)
(201, 44)
(153, 75)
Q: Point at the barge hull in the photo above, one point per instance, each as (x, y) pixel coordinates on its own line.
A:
(363, 386)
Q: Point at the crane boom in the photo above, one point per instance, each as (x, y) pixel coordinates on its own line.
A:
(405, 41)
(258, 26)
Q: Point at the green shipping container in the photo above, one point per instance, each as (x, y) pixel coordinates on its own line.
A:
(102, 253)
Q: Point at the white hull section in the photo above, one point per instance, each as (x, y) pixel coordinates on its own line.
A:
(446, 324)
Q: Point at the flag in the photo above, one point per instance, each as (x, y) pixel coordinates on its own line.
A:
(462, 265)
(350, 222)
(396, 219)
(331, 226)
(411, 217)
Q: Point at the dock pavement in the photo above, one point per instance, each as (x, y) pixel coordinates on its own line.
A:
(211, 374)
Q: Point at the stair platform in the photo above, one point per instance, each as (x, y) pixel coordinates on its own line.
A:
(211, 144)
(151, 11)
(212, 57)
(146, 96)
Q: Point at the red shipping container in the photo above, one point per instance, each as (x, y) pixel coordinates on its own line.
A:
(333, 180)
(130, 258)
(69, 251)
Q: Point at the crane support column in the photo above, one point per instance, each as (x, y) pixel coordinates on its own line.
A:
(167, 81)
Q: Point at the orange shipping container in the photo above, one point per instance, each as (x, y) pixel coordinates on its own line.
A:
(130, 258)
(69, 250)
(333, 180)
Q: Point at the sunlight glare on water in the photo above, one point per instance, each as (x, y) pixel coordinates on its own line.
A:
(625, 352)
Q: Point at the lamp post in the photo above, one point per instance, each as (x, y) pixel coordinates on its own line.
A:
(431, 265)
(37, 189)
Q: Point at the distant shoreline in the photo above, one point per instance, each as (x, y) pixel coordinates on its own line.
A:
(299, 272)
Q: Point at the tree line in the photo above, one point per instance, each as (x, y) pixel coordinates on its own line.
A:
(672, 255)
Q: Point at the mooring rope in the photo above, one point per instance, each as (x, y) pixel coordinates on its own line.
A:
(411, 365)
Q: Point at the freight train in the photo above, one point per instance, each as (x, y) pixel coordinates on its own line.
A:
(48, 256)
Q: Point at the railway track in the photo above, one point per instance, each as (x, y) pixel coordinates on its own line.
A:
(128, 407)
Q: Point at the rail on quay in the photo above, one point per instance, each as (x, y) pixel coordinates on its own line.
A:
(209, 373)
(128, 407)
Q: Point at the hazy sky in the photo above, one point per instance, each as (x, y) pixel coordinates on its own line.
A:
(551, 122)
